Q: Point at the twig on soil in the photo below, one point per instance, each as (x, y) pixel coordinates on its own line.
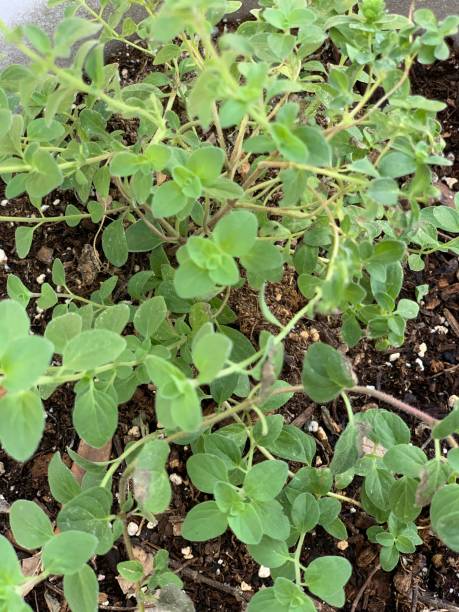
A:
(440, 605)
(364, 587)
(220, 586)
(446, 371)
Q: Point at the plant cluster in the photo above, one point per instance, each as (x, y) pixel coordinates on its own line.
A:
(252, 155)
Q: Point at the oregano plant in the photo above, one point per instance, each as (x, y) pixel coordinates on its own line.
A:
(252, 157)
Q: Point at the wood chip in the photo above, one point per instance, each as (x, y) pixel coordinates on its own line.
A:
(452, 321)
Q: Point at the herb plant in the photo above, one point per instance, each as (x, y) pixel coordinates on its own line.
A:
(252, 156)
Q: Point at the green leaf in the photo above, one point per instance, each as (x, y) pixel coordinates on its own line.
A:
(17, 291)
(224, 189)
(292, 596)
(24, 361)
(67, 553)
(320, 152)
(453, 459)
(125, 163)
(23, 237)
(325, 373)
(447, 426)
(81, 590)
(246, 524)
(351, 331)
(205, 470)
(210, 354)
(444, 515)
(384, 191)
(204, 522)
(346, 451)
(275, 423)
(405, 459)
(48, 297)
(433, 475)
(265, 601)
(317, 578)
(150, 315)
(14, 323)
(58, 272)
(317, 481)
(389, 557)
(130, 570)
(152, 488)
(168, 200)
(289, 145)
(11, 570)
(45, 176)
(236, 232)
(407, 309)
(141, 186)
(45, 132)
(387, 252)
(191, 281)
(90, 511)
(95, 416)
(21, 424)
(140, 238)
(91, 349)
(269, 552)
(378, 484)
(62, 329)
(114, 318)
(396, 164)
(207, 163)
(447, 218)
(274, 521)
(6, 120)
(294, 444)
(265, 480)
(166, 54)
(225, 447)
(114, 243)
(62, 483)
(402, 499)
(184, 409)
(385, 427)
(30, 525)
(70, 30)
(305, 512)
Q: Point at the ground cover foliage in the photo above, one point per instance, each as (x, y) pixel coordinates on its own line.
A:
(328, 173)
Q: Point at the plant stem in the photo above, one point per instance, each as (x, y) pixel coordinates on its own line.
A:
(347, 403)
(437, 446)
(314, 170)
(10, 169)
(396, 403)
(299, 548)
(60, 219)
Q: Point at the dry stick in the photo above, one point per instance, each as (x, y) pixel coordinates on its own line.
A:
(403, 407)
(439, 604)
(364, 587)
(220, 586)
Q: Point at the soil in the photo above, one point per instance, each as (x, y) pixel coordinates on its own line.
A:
(220, 575)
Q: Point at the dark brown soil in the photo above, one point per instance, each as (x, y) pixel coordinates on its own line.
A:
(220, 575)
